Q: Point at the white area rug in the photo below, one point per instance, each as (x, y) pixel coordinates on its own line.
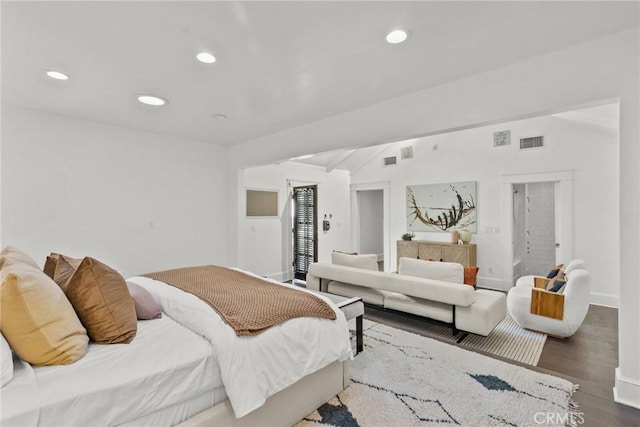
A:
(403, 379)
(507, 340)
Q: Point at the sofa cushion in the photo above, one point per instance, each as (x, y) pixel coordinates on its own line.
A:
(557, 285)
(365, 261)
(420, 307)
(481, 317)
(445, 271)
(368, 295)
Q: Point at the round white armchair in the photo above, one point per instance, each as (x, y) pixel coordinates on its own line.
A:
(558, 314)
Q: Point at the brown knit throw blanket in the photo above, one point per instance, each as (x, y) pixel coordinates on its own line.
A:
(247, 303)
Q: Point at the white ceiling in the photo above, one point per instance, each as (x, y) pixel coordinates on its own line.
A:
(280, 64)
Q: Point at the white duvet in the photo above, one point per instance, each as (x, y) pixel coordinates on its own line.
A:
(256, 367)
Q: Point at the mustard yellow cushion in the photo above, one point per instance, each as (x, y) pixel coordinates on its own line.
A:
(37, 320)
(101, 299)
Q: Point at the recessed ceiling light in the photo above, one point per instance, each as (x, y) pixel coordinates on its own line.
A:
(397, 36)
(152, 100)
(218, 116)
(57, 75)
(206, 57)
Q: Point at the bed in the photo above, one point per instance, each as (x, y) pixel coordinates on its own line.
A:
(187, 368)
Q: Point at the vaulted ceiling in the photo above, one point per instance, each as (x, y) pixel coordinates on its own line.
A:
(279, 65)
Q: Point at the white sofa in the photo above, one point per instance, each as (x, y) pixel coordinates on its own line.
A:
(424, 288)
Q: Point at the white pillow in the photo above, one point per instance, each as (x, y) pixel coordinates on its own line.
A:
(365, 261)
(6, 360)
(437, 270)
(12, 255)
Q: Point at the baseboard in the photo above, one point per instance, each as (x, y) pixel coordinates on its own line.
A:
(279, 277)
(607, 300)
(496, 284)
(626, 391)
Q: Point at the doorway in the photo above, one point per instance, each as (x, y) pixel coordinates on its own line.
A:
(562, 208)
(371, 233)
(380, 225)
(305, 229)
(534, 230)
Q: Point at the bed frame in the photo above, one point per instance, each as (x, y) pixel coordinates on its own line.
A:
(284, 408)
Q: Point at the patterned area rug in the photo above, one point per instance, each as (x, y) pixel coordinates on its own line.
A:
(403, 379)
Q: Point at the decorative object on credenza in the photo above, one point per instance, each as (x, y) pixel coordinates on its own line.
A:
(465, 236)
(442, 207)
(408, 236)
(455, 236)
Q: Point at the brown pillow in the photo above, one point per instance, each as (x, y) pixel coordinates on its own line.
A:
(146, 307)
(470, 275)
(65, 268)
(50, 264)
(37, 319)
(100, 296)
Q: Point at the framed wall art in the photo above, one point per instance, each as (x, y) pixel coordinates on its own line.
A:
(442, 207)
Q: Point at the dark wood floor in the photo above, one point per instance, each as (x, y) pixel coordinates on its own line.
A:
(588, 358)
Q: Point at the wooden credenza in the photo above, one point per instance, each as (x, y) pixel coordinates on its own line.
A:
(437, 251)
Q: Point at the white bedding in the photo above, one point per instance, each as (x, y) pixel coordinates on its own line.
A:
(117, 383)
(256, 367)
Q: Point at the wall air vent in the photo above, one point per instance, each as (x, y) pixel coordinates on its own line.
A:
(533, 142)
(406, 152)
(390, 161)
(502, 138)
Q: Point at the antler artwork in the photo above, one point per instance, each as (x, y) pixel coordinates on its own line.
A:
(450, 217)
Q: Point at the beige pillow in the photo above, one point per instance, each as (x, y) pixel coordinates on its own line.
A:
(365, 261)
(37, 319)
(437, 270)
(100, 296)
(11, 255)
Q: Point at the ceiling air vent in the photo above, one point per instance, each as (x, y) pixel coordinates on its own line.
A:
(390, 161)
(533, 142)
(406, 152)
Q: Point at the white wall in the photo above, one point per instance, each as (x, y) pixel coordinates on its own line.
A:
(134, 200)
(265, 243)
(469, 155)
